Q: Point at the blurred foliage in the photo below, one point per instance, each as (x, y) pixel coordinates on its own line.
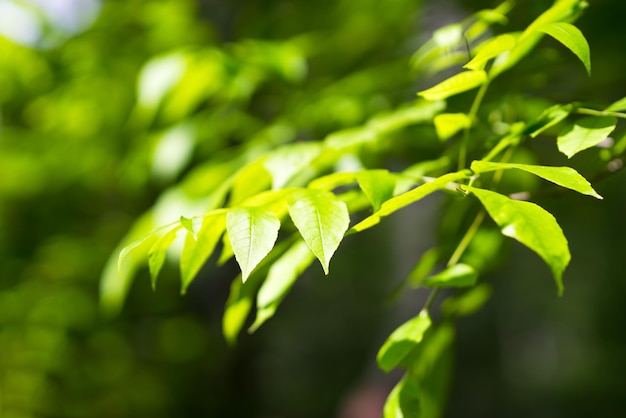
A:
(99, 124)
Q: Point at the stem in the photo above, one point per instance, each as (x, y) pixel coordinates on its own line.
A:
(592, 112)
(472, 115)
(467, 238)
(431, 299)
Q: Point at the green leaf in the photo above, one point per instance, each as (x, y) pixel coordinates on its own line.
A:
(570, 36)
(197, 250)
(402, 341)
(378, 185)
(618, 106)
(458, 275)
(585, 133)
(250, 180)
(287, 161)
(468, 303)
(424, 267)
(532, 226)
(448, 124)
(405, 199)
(550, 117)
(563, 176)
(404, 399)
(456, 84)
(157, 253)
(282, 275)
(491, 49)
(322, 220)
(252, 234)
(238, 307)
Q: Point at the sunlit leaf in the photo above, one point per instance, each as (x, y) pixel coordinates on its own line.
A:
(448, 124)
(281, 276)
(252, 234)
(287, 161)
(157, 253)
(456, 84)
(491, 49)
(250, 180)
(197, 250)
(570, 36)
(405, 199)
(563, 176)
(618, 106)
(322, 220)
(532, 226)
(378, 185)
(402, 341)
(585, 133)
(458, 275)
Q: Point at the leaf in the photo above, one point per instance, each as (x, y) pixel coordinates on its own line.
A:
(252, 234)
(405, 199)
(404, 399)
(402, 341)
(250, 180)
(618, 106)
(467, 303)
(448, 124)
(458, 275)
(491, 49)
(197, 250)
(585, 133)
(287, 161)
(550, 117)
(532, 226)
(282, 275)
(322, 220)
(424, 266)
(563, 176)
(570, 36)
(238, 307)
(456, 84)
(378, 185)
(158, 250)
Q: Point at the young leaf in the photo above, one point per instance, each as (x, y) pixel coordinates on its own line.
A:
(284, 163)
(322, 220)
(402, 341)
(585, 133)
(156, 255)
(458, 275)
(491, 49)
(532, 226)
(282, 275)
(448, 124)
(196, 250)
(456, 84)
(252, 234)
(563, 176)
(405, 199)
(570, 36)
(378, 186)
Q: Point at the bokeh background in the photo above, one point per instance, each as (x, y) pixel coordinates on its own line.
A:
(104, 105)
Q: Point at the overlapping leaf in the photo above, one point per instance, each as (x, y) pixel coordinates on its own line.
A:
(404, 339)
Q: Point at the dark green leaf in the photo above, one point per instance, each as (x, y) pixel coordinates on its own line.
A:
(458, 275)
(468, 303)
